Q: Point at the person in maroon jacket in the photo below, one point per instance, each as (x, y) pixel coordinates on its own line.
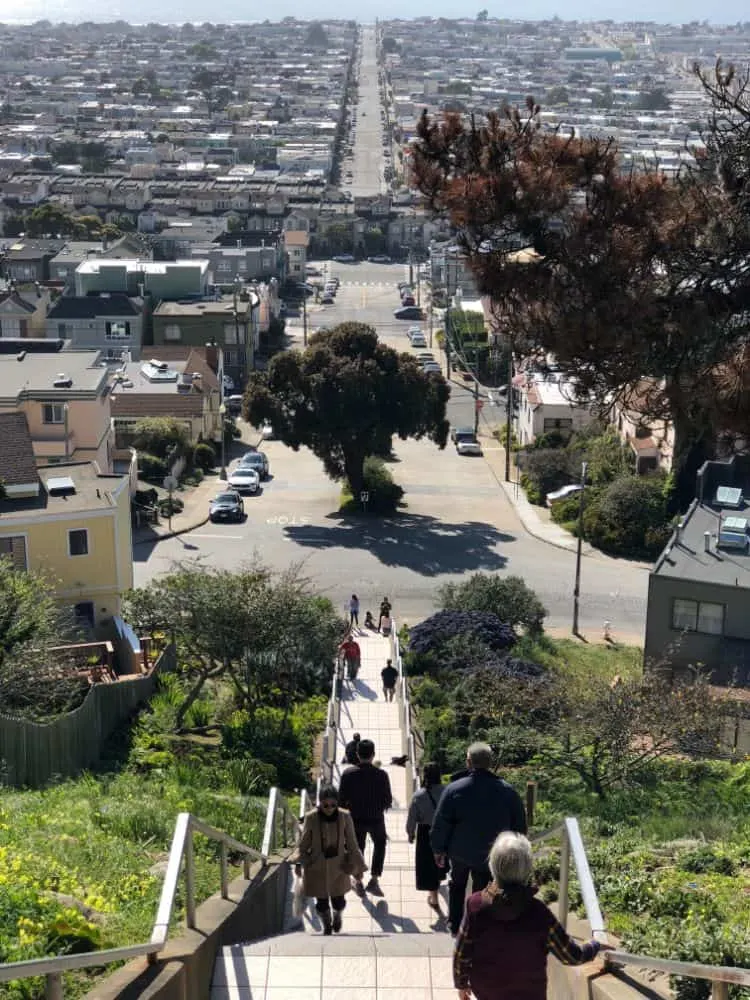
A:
(506, 934)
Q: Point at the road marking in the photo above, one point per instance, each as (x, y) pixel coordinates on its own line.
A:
(229, 537)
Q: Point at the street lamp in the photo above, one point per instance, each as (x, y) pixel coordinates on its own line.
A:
(223, 415)
(577, 587)
(66, 416)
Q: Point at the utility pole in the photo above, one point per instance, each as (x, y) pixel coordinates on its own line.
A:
(304, 314)
(577, 587)
(476, 405)
(509, 411)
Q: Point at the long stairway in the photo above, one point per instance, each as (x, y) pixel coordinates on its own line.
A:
(391, 947)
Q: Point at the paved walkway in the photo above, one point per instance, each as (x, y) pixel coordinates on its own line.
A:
(392, 947)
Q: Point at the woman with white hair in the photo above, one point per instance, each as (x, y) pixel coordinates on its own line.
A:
(506, 934)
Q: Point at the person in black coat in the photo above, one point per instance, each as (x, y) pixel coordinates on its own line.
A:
(350, 751)
(471, 813)
(365, 791)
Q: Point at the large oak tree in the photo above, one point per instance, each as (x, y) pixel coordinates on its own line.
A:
(636, 286)
(344, 395)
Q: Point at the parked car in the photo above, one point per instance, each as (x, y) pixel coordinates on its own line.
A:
(228, 384)
(408, 300)
(233, 404)
(425, 356)
(226, 506)
(344, 258)
(564, 491)
(313, 271)
(266, 431)
(432, 366)
(244, 480)
(380, 258)
(408, 312)
(327, 299)
(465, 441)
(418, 341)
(257, 460)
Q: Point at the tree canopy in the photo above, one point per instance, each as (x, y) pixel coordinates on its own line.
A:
(638, 285)
(344, 395)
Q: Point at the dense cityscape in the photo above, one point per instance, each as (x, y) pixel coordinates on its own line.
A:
(341, 360)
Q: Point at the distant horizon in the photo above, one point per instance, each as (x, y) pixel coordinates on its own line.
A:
(140, 13)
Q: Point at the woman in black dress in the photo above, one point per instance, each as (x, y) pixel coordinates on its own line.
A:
(418, 823)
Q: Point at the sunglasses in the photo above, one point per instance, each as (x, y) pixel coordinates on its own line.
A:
(328, 805)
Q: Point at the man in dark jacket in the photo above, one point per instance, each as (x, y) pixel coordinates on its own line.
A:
(350, 750)
(365, 791)
(389, 677)
(471, 813)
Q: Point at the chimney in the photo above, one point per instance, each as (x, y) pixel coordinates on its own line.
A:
(212, 356)
(707, 541)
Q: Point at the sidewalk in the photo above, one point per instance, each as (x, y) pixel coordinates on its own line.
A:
(195, 513)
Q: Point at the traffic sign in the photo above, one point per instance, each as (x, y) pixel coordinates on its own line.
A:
(364, 496)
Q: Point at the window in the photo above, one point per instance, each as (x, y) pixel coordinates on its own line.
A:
(13, 547)
(61, 329)
(172, 332)
(78, 542)
(698, 616)
(117, 331)
(53, 413)
(230, 335)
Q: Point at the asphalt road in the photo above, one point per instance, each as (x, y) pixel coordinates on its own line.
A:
(457, 520)
(367, 162)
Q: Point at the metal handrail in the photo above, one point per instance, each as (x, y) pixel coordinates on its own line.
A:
(571, 845)
(409, 745)
(181, 850)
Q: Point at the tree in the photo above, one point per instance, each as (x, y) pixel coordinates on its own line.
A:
(507, 597)
(639, 285)
(343, 395)
(271, 637)
(629, 517)
(608, 734)
(482, 16)
(31, 683)
(317, 36)
(653, 100)
(163, 437)
(557, 95)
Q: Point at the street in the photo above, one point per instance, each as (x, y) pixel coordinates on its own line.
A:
(456, 521)
(367, 162)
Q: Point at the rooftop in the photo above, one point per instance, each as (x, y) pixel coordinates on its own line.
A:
(139, 266)
(91, 490)
(206, 307)
(721, 511)
(92, 306)
(30, 374)
(17, 464)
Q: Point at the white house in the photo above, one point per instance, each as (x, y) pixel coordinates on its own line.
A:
(547, 403)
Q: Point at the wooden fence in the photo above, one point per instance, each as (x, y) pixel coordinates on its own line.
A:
(31, 752)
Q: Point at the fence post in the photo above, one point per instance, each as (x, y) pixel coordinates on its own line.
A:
(531, 788)
(563, 901)
(53, 988)
(224, 871)
(719, 991)
(189, 880)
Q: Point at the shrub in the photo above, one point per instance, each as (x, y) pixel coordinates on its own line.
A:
(430, 634)
(546, 469)
(151, 467)
(169, 506)
(704, 859)
(629, 517)
(204, 456)
(606, 455)
(161, 436)
(385, 494)
(507, 597)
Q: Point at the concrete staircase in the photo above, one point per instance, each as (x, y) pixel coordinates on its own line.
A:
(391, 947)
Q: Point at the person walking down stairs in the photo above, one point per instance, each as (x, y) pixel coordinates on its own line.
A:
(327, 857)
(418, 822)
(366, 791)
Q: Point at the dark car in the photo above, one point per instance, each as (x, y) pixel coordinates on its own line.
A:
(257, 460)
(227, 506)
(408, 312)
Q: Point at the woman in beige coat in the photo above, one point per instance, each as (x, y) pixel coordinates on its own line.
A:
(328, 856)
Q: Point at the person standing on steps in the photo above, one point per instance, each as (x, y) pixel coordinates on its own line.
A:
(389, 676)
(327, 856)
(471, 813)
(354, 611)
(418, 822)
(350, 751)
(352, 654)
(506, 934)
(366, 792)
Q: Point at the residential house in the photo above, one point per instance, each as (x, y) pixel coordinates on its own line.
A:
(176, 279)
(65, 398)
(111, 323)
(699, 588)
(296, 242)
(547, 403)
(230, 322)
(651, 441)
(29, 260)
(76, 252)
(71, 523)
(21, 317)
(175, 381)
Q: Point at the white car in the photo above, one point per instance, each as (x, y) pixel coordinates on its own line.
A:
(467, 444)
(244, 480)
(228, 384)
(266, 432)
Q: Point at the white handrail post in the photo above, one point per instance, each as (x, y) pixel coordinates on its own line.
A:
(563, 900)
(246, 867)
(269, 843)
(719, 991)
(53, 987)
(223, 860)
(189, 879)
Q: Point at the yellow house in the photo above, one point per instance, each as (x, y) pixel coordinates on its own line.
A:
(69, 521)
(66, 399)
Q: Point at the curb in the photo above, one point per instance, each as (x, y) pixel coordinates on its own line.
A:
(171, 534)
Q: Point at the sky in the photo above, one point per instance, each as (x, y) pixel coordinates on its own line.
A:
(177, 11)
